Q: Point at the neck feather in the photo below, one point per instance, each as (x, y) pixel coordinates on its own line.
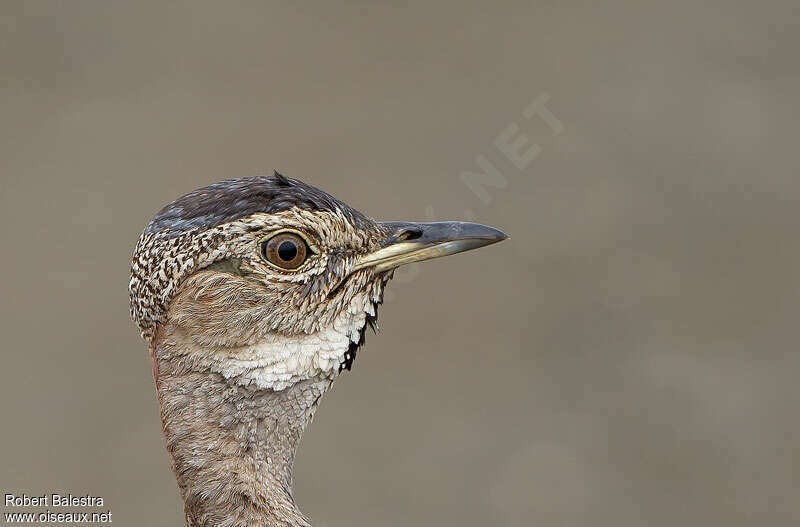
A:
(233, 446)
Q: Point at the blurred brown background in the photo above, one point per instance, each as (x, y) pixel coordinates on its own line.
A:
(629, 357)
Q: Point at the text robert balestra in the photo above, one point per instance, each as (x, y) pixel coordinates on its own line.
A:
(53, 500)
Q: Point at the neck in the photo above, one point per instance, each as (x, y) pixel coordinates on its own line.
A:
(233, 446)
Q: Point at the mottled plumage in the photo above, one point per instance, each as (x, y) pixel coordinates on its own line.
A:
(198, 229)
(254, 294)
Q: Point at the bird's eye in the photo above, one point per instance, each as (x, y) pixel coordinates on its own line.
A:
(286, 250)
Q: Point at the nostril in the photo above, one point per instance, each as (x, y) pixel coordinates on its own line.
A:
(409, 234)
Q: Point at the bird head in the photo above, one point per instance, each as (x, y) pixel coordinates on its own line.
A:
(268, 280)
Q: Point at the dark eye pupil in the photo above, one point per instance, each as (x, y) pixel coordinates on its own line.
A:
(287, 251)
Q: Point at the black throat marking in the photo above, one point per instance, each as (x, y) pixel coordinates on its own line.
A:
(352, 349)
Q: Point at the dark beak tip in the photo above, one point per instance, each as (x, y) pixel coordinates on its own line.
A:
(491, 234)
(437, 232)
(500, 236)
(407, 242)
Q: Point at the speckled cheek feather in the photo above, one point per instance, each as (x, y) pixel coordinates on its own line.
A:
(193, 232)
(161, 261)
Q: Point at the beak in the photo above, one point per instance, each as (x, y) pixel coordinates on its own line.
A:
(415, 242)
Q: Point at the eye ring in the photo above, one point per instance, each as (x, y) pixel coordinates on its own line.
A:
(285, 250)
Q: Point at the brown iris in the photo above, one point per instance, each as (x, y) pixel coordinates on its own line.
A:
(286, 250)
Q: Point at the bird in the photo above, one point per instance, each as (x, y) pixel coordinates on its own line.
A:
(253, 296)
